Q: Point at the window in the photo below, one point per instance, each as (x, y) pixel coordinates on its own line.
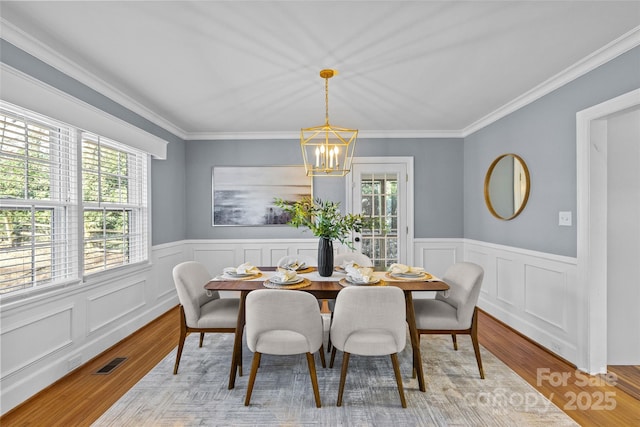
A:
(48, 197)
(114, 204)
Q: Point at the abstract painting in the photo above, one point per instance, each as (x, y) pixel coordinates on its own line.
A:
(244, 195)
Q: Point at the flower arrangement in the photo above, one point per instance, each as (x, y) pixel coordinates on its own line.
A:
(323, 218)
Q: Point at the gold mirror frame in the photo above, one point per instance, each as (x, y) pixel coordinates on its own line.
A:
(525, 184)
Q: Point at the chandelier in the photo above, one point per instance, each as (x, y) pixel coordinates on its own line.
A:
(327, 150)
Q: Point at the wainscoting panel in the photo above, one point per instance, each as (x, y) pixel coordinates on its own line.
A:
(508, 285)
(34, 339)
(164, 259)
(545, 295)
(533, 292)
(114, 303)
(436, 255)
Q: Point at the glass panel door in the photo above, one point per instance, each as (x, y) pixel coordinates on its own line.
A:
(379, 193)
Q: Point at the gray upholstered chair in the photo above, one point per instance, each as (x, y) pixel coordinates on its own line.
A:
(369, 321)
(356, 257)
(200, 312)
(359, 258)
(283, 322)
(456, 313)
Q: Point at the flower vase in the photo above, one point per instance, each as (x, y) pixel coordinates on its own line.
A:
(325, 257)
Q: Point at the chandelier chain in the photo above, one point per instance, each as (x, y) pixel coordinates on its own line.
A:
(326, 100)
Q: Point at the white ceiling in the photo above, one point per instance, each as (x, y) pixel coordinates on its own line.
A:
(207, 69)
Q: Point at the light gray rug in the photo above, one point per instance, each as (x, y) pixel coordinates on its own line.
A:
(282, 395)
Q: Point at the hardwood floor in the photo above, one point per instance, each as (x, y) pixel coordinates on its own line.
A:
(81, 397)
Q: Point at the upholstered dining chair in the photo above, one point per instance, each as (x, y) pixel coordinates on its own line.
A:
(369, 321)
(283, 322)
(356, 257)
(359, 258)
(454, 311)
(199, 311)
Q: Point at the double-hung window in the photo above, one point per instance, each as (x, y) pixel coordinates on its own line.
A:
(114, 201)
(71, 203)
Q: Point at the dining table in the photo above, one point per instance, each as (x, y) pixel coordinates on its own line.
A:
(324, 288)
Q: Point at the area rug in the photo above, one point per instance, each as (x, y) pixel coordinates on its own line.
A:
(283, 396)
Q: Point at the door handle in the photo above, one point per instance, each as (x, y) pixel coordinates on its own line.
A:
(357, 239)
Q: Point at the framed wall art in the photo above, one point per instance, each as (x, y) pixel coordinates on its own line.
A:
(244, 195)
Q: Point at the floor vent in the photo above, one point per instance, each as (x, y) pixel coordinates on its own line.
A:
(109, 367)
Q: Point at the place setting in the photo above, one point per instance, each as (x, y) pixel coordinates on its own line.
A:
(285, 278)
(404, 272)
(244, 271)
(360, 276)
(299, 267)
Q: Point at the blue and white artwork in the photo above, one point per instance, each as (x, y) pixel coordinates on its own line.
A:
(244, 195)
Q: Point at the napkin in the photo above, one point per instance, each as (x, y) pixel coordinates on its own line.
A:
(295, 265)
(284, 275)
(359, 274)
(349, 264)
(404, 269)
(244, 268)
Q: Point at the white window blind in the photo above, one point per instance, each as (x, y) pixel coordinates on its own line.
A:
(57, 182)
(114, 188)
(38, 202)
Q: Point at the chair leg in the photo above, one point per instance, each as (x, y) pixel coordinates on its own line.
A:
(343, 376)
(183, 336)
(324, 363)
(455, 341)
(201, 338)
(474, 340)
(333, 357)
(314, 378)
(252, 376)
(414, 372)
(396, 370)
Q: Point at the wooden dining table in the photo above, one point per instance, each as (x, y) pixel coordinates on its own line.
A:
(323, 288)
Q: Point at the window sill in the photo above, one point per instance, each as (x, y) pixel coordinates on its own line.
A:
(60, 290)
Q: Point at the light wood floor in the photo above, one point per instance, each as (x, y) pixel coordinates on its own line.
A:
(81, 397)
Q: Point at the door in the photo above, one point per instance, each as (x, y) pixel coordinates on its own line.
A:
(379, 188)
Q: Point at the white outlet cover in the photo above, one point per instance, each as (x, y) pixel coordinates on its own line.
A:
(564, 218)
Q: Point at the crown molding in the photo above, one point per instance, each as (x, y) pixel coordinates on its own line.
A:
(369, 134)
(48, 55)
(601, 56)
(34, 47)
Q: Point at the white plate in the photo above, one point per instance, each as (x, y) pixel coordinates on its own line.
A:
(373, 281)
(409, 275)
(275, 281)
(238, 275)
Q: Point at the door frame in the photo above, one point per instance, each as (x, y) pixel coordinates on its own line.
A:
(409, 205)
(591, 167)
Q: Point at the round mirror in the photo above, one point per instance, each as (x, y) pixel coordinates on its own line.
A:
(506, 186)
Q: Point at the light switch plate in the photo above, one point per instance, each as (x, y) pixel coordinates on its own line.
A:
(564, 218)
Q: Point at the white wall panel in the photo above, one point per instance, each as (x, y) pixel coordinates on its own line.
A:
(35, 338)
(508, 282)
(164, 260)
(109, 306)
(545, 295)
(533, 292)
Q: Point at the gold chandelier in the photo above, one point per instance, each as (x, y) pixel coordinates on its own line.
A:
(327, 150)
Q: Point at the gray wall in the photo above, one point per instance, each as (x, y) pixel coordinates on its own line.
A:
(438, 182)
(167, 176)
(168, 196)
(544, 135)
